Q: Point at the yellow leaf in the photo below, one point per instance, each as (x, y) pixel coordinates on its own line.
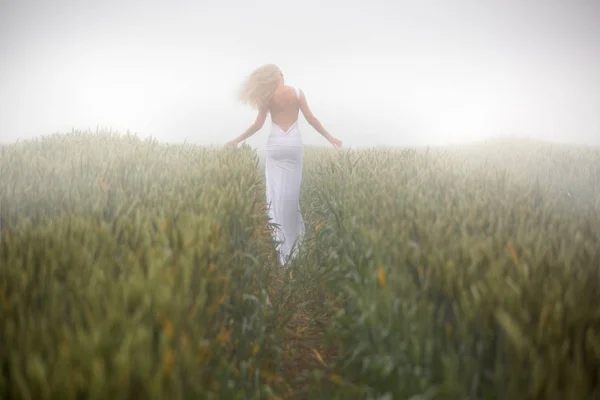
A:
(319, 357)
(319, 226)
(381, 276)
(223, 336)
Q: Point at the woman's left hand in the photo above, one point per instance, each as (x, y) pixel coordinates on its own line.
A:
(232, 143)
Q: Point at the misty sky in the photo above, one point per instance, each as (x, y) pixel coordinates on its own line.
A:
(374, 72)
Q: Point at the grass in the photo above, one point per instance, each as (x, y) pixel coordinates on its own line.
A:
(451, 273)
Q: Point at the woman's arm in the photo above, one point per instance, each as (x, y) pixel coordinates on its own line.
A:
(255, 127)
(315, 123)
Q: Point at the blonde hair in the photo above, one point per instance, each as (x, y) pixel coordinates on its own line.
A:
(259, 87)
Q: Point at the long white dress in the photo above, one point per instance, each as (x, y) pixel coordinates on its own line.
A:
(283, 173)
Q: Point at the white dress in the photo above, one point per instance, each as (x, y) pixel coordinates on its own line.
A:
(283, 173)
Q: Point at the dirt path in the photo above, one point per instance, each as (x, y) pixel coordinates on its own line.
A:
(304, 345)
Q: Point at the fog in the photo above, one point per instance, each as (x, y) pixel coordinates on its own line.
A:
(375, 73)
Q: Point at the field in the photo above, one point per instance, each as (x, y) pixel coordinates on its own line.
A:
(136, 269)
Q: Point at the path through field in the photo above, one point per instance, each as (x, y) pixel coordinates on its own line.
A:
(305, 307)
(306, 352)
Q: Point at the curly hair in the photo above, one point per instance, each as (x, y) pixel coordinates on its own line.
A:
(259, 87)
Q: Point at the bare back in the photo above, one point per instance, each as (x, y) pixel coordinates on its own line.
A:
(285, 107)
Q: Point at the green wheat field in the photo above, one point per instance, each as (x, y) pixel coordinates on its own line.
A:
(134, 269)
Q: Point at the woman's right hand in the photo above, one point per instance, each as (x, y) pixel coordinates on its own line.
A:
(232, 143)
(335, 142)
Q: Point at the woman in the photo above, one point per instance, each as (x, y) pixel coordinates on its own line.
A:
(265, 91)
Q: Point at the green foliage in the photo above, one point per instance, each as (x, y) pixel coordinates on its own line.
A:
(133, 269)
(457, 278)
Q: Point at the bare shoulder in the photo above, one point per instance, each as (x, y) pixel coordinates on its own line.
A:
(292, 89)
(286, 93)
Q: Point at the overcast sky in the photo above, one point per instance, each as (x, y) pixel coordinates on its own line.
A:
(375, 72)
